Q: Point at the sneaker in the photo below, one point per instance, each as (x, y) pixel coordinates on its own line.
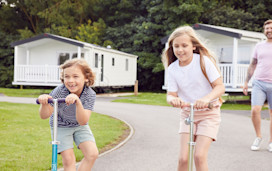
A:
(270, 147)
(256, 144)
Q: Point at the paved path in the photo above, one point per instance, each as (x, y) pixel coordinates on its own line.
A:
(154, 145)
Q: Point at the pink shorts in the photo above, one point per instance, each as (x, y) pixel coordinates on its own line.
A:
(206, 122)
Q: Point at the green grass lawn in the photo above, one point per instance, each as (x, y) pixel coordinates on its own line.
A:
(24, 92)
(160, 99)
(24, 137)
(142, 98)
(146, 98)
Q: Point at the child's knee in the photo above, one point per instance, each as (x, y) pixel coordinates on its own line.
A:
(183, 160)
(199, 158)
(92, 156)
(68, 160)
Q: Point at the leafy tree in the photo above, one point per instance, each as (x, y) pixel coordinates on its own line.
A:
(61, 17)
(28, 10)
(142, 35)
(93, 33)
(227, 16)
(6, 58)
(133, 26)
(33, 17)
(260, 10)
(139, 37)
(10, 19)
(116, 13)
(150, 79)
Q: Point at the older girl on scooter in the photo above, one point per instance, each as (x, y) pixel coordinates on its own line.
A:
(193, 77)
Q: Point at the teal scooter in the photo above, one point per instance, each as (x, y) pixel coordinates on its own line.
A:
(55, 143)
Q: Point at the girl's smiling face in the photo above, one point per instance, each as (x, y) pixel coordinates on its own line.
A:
(183, 49)
(74, 79)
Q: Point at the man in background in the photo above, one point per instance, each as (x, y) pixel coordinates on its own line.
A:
(261, 66)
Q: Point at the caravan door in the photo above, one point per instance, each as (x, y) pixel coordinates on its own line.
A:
(99, 65)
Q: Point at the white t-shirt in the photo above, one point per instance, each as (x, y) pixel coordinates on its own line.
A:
(189, 81)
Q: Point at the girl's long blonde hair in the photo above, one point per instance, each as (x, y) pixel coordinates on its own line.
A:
(83, 65)
(169, 57)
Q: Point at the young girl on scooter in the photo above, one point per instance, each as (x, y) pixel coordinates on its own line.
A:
(74, 114)
(193, 77)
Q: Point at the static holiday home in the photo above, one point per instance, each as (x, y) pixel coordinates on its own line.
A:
(37, 60)
(233, 49)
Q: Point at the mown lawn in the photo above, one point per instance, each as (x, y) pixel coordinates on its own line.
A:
(160, 99)
(24, 137)
(24, 92)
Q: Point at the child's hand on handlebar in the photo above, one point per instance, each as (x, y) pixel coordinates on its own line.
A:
(202, 103)
(177, 102)
(43, 99)
(71, 99)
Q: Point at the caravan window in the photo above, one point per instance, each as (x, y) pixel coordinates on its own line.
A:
(96, 61)
(126, 64)
(75, 55)
(225, 54)
(112, 61)
(63, 57)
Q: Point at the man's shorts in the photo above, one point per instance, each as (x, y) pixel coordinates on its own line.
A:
(260, 92)
(67, 136)
(206, 122)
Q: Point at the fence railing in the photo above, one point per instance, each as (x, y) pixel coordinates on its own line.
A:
(37, 73)
(47, 74)
(228, 74)
(51, 74)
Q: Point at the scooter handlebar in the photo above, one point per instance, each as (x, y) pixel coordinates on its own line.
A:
(210, 105)
(62, 100)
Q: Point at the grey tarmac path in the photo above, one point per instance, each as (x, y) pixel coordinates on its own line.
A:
(155, 142)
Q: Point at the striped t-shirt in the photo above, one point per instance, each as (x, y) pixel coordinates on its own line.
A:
(67, 114)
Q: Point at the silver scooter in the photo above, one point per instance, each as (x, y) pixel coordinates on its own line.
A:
(192, 143)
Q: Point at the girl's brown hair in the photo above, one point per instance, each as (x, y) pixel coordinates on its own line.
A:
(83, 65)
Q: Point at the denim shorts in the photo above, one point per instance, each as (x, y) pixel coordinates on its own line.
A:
(67, 136)
(261, 91)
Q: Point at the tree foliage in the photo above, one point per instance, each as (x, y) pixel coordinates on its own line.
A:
(93, 33)
(6, 58)
(133, 26)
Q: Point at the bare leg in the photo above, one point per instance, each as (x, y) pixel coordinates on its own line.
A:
(68, 160)
(256, 119)
(270, 112)
(183, 153)
(90, 153)
(201, 152)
